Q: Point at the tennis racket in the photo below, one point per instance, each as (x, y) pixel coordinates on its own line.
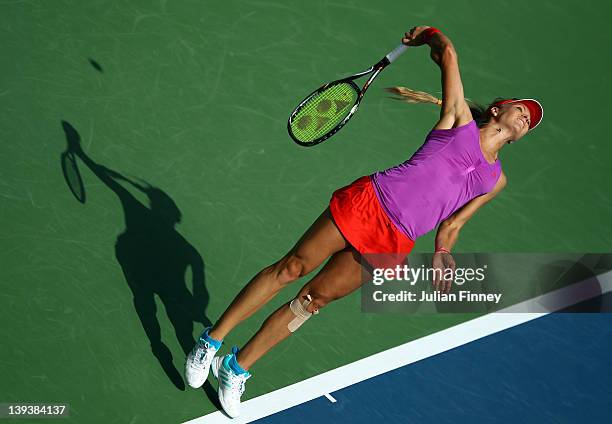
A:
(69, 162)
(327, 109)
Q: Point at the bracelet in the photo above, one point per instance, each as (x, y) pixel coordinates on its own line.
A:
(429, 32)
(442, 250)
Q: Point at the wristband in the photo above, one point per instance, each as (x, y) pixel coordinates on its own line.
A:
(442, 250)
(428, 33)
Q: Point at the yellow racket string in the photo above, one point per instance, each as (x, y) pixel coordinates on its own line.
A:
(323, 112)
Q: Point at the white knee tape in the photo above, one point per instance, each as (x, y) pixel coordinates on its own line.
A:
(301, 313)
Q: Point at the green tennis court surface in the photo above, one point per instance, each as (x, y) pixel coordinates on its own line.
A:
(182, 109)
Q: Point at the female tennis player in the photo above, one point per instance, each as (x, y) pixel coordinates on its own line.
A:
(452, 175)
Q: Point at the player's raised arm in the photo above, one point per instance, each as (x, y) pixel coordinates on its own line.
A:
(455, 110)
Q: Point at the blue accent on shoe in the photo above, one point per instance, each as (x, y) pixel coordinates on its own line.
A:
(204, 337)
(233, 363)
(225, 363)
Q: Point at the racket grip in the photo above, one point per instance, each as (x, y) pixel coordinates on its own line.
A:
(396, 52)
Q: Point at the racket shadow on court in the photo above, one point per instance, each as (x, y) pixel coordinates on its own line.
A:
(155, 259)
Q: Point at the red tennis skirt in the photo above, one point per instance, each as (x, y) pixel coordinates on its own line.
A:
(365, 225)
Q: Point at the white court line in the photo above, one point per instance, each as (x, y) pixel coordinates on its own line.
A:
(330, 398)
(416, 350)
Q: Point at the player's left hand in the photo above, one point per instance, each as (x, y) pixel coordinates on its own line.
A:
(444, 269)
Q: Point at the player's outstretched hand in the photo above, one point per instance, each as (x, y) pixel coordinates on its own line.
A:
(415, 36)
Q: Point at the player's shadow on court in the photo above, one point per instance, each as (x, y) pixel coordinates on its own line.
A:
(155, 259)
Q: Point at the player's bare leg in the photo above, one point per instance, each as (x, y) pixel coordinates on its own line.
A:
(319, 242)
(340, 276)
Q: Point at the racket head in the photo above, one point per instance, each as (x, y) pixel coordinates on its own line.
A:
(73, 176)
(323, 112)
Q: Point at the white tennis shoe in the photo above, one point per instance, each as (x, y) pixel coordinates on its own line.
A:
(198, 363)
(231, 385)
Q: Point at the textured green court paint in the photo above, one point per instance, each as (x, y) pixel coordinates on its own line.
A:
(193, 97)
(323, 112)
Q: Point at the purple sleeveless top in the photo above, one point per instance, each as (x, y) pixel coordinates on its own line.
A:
(445, 173)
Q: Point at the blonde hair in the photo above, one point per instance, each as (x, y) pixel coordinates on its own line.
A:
(480, 113)
(408, 95)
